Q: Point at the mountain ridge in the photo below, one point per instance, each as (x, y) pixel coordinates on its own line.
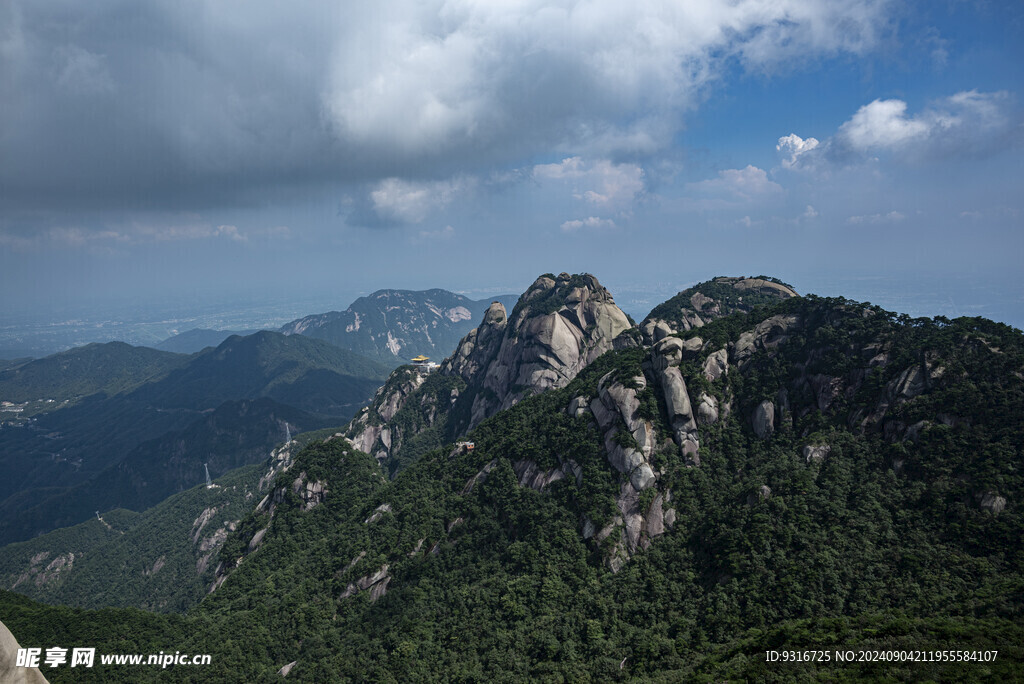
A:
(431, 322)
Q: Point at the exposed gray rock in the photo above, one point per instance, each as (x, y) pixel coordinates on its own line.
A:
(992, 502)
(378, 513)
(716, 365)
(352, 563)
(379, 589)
(766, 335)
(578, 407)
(479, 477)
(539, 351)
(654, 521)
(667, 352)
(643, 477)
(707, 410)
(677, 399)
(257, 538)
(588, 528)
(10, 673)
(691, 347)
(530, 475)
(826, 390)
(763, 493)
(763, 420)
(816, 453)
(287, 668)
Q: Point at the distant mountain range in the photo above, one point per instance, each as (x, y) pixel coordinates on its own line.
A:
(198, 339)
(393, 326)
(154, 418)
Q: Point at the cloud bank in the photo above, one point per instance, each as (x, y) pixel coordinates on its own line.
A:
(198, 103)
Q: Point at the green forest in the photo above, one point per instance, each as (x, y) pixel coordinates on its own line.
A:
(452, 570)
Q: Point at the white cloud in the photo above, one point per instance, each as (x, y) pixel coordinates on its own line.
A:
(602, 183)
(446, 233)
(592, 222)
(882, 124)
(231, 232)
(402, 201)
(792, 146)
(737, 185)
(364, 92)
(810, 213)
(875, 219)
(966, 124)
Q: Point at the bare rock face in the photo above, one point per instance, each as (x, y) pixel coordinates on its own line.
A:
(707, 410)
(766, 336)
(716, 365)
(558, 327)
(763, 493)
(816, 453)
(376, 583)
(664, 362)
(617, 402)
(10, 673)
(530, 475)
(477, 348)
(703, 303)
(368, 432)
(993, 503)
(763, 420)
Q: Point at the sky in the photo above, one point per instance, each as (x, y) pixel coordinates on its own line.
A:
(202, 150)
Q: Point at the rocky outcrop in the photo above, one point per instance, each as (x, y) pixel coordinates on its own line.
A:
(664, 361)
(10, 672)
(992, 502)
(703, 303)
(766, 336)
(816, 453)
(378, 513)
(716, 365)
(707, 410)
(376, 583)
(763, 420)
(476, 350)
(763, 493)
(41, 573)
(368, 431)
(633, 528)
(559, 326)
(629, 440)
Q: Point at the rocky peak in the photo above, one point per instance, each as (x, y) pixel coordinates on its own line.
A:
(559, 325)
(704, 302)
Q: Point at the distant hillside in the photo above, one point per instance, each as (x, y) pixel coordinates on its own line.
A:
(237, 433)
(393, 326)
(163, 559)
(110, 368)
(198, 339)
(126, 449)
(307, 373)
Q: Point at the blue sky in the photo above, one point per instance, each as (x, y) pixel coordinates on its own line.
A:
(205, 149)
